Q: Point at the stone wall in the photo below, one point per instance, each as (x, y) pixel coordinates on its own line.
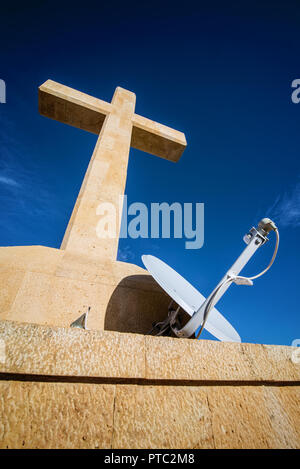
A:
(69, 388)
(53, 287)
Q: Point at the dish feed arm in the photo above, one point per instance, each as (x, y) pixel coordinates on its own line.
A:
(254, 239)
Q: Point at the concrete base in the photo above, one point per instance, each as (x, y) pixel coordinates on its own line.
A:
(54, 287)
(69, 388)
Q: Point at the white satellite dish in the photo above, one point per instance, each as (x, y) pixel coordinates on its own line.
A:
(190, 299)
(202, 311)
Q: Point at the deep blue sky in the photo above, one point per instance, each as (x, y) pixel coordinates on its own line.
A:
(219, 72)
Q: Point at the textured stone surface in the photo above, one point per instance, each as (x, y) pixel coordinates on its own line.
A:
(284, 410)
(72, 107)
(32, 258)
(162, 417)
(68, 388)
(55, 415)
(73, 352)
(10, 281)
(54, 287)
(32, 349)
(78, 109)
(254, 416)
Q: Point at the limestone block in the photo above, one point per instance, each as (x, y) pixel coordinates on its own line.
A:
(68, 388)
(272, 363)
(55, 415)
(66, 351)
(78, 415)
(166, 358)
(284, 410)
(54, 287)
(194, 360)
(157, 139)
(39, 350)
(161, 417)
(72, 107)
(254, 416)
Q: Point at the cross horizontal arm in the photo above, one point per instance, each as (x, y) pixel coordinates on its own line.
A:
(59, 102)
(64, 104)
(157, 139)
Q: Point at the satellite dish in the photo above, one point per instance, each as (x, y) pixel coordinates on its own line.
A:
(190, 299)
(202, 311)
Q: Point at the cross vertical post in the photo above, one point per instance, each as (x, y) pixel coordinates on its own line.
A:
(104, 180)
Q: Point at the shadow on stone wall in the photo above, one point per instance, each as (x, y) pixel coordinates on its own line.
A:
(135, 304)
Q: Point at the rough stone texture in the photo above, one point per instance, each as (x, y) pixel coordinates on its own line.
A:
(68, 388)
(72, 107)
(162, 417)
(55, 415)
(54, 287)
(204, 360)
(254, 416)
(32, 349)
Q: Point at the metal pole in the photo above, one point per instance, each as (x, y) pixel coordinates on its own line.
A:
(255, 240)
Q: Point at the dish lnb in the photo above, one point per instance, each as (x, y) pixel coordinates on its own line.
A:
(266, 225)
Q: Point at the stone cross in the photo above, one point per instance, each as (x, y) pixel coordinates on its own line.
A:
(118, 128)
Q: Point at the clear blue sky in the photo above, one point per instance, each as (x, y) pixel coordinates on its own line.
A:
(219, 72)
